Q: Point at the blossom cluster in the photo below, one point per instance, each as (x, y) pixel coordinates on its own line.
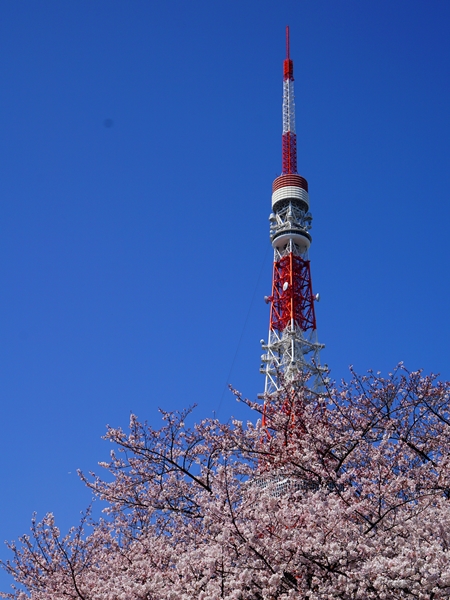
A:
(343, 494)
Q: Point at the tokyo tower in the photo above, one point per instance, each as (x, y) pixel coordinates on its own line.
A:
(291, 353)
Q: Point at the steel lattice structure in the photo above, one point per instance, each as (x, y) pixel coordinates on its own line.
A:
(292, 349)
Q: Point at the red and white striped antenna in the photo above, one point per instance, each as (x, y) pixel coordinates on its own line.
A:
(289, 137)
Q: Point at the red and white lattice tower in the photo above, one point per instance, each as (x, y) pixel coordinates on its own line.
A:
(292, 350)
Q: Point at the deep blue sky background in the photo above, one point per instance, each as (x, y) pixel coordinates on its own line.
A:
(134, 258)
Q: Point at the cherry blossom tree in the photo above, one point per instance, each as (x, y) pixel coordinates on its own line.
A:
(343, 494)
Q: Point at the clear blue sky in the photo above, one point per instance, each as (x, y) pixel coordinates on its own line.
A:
(134, 257)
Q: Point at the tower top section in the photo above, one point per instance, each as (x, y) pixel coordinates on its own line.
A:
(291, 354)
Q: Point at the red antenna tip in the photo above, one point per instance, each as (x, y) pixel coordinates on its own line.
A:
(287, 42)
(288, 65)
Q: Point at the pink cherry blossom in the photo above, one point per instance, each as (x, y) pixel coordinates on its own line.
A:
(343, 494)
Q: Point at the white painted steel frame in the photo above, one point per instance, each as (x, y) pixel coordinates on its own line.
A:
(288, 106)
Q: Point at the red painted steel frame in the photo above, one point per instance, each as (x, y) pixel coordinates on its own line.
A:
(288, 69)
(296, 302)
(289, 153)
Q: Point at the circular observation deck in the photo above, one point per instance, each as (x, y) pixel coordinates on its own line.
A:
(290, 188)
(300, 237)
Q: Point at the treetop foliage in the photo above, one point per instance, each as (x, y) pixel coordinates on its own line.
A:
(343, 494)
